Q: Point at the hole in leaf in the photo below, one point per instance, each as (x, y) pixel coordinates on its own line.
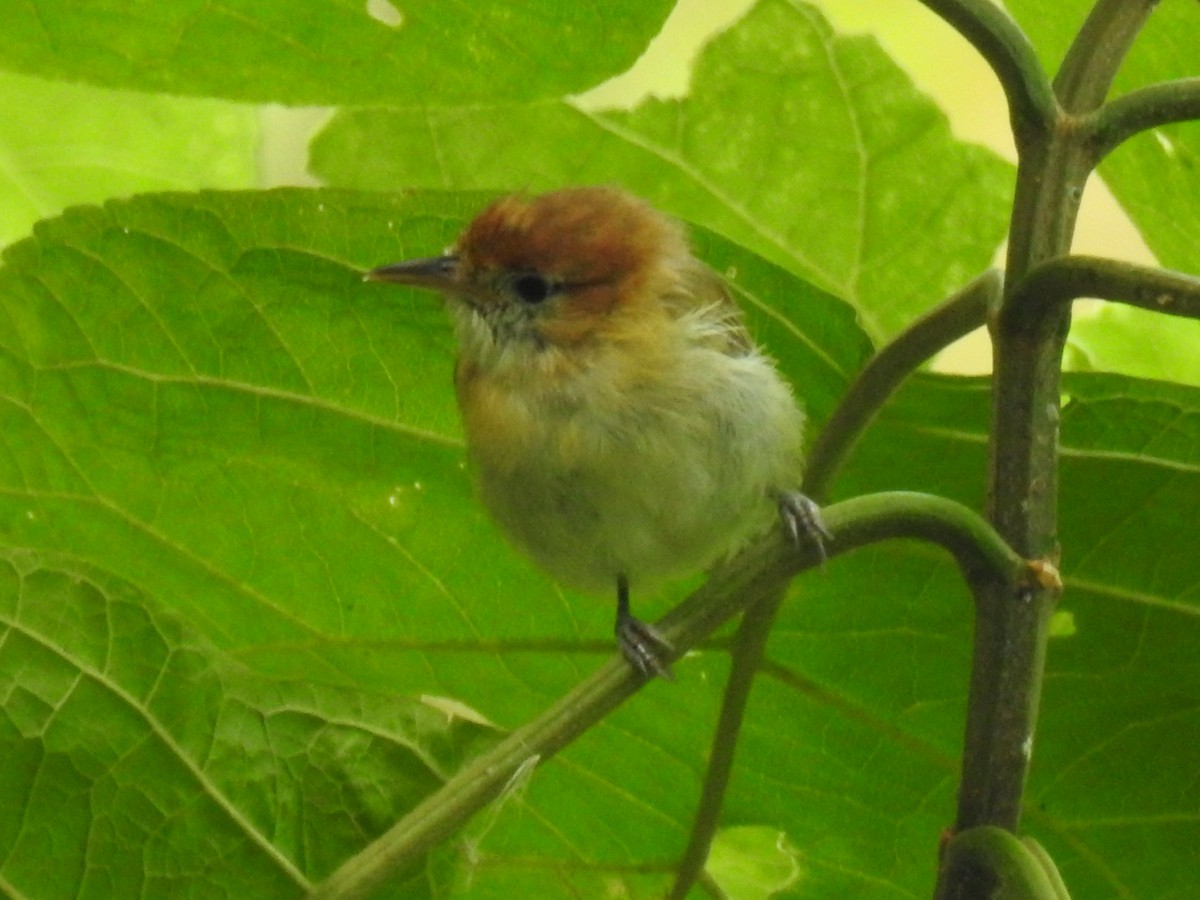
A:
(383, 11)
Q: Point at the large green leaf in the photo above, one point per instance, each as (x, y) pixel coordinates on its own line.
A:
(810, 147)
(252, 613)
(325, 53)
(220, 442)
(104, 143)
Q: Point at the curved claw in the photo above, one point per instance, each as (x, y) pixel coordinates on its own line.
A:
(802, 520)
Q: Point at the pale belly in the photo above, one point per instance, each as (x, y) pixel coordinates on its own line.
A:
(655, 490)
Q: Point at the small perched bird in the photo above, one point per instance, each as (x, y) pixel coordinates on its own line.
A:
(623, 426)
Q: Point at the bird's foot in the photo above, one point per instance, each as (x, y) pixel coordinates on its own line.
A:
(644, 647)
(802, 521)
(641, 644)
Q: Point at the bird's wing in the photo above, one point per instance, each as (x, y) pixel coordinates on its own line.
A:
(705, 295)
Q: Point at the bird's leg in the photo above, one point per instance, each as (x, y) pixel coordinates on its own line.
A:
(802, 520)
(640, 642)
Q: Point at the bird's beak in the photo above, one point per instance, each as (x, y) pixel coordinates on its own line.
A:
(437, 273)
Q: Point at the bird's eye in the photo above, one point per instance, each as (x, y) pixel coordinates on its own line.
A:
(532, 287)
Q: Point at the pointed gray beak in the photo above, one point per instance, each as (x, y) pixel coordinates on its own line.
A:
(436, 272)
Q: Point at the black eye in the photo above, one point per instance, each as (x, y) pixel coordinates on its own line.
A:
(532, 287)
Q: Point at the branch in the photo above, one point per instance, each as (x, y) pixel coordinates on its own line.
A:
(1092, 61)
(1068, 278)
(953, 318)
(748, 647)
(1009, 653)
(1150, 107)
(1031, 104)
(763, 570)
(975, 545)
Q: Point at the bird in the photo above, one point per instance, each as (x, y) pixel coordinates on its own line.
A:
(623, 427)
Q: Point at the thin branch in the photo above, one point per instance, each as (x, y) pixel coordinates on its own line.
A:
(1091, 63)
(1149, 107)
(953, 318)
(967, 536)
(1031, 104)
(749, 644)
(759, 573)
(1068, 278)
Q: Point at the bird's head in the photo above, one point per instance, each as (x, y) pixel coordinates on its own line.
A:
(560, 270)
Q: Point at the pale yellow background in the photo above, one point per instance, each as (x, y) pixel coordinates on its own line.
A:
(939, 61)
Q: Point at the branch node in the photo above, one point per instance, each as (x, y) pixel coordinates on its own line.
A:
(1045, 574)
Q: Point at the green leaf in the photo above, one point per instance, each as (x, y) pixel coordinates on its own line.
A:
(1137, 342)
(104, 143)
(214, 426)
(130, 741)
(812, 148)
(367, 52)
(233, 496)
(250, 613)
(885, 639)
